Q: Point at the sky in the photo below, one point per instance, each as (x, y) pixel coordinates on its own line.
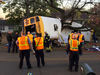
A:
(64, 4)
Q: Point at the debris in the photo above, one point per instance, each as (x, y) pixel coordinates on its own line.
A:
(93, 48)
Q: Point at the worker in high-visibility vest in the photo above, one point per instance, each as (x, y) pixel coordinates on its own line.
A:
(76, 34)
(24, 44)
(73, 50)
(81, 40)
(30, 36)
(70, 35)
(38, 45)
(31, 39)
(47, 42)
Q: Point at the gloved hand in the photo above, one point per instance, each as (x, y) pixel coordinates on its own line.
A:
(67, 53)
(82, 43)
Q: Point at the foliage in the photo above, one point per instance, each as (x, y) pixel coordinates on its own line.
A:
(17, 9)
(95, 19)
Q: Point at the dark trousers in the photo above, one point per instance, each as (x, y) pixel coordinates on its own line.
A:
(80, 48)
(15, 47)
(47, 44)
(73, 60)
(9, 46)
(39, 54)
(25, 53)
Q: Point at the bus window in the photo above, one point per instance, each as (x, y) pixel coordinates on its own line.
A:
(32, 20)
(37, 19)
(55, 27)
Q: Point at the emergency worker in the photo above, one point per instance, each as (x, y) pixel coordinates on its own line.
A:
(73, 50)
(81, 40)
(76, 34)
(38, 45)
(30, 36)
(70, 35)
(31, 39)
(24, 44)
(47, 42)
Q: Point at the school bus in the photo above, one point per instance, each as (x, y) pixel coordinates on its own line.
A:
(40, 24)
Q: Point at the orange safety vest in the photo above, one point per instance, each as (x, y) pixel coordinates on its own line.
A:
(74, 45)
(80, 38)
(30, 37)
(39, 43)
(23, 43)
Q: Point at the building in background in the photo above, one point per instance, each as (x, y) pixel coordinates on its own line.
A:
(5, 27)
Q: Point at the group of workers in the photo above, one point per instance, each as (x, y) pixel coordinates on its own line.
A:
(27, 43)
(75, 42)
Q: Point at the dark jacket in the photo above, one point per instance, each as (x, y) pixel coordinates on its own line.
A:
(15, 36)
(0, 34)
(47, 38)
(9, 37)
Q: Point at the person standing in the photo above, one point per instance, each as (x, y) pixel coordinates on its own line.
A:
(38, 45)
(70, 35)
(81, 40)
(47, 42)
(31, 39)
(73, 50)
(14, 37)
(0, 37)
(76, 34)
(24, 44)
(9, 40)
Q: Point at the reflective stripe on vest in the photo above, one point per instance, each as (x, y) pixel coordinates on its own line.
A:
(39, 43)
(30, 37)
(23, 43)
(73, 45)
(71, 36)
(80, 38)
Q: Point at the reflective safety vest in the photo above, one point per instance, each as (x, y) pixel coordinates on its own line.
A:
(74, 45)
(76, 36)
(70, 36)
(30, 37)
(39, 43)
(23, 43)
(80, 38)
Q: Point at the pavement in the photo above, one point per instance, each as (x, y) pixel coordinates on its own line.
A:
(57, 63)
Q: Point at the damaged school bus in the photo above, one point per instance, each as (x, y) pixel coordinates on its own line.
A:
(40, 24)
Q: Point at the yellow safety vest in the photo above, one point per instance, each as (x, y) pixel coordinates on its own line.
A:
(80, 38)
(30, 37)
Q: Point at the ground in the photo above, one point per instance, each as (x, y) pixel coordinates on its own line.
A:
(56, 62)
(87, 45)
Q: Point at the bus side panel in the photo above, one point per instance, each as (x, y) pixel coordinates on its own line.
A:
(49, 26)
